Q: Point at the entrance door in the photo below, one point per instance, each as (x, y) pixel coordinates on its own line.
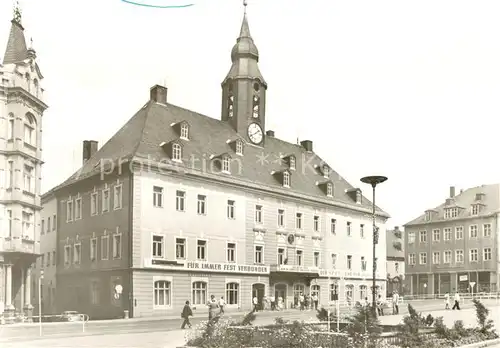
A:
(280, 292)
(258, 291)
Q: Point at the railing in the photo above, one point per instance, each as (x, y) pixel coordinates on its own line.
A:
(463, 296)
(46, 321)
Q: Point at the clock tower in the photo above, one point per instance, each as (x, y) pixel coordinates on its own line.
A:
(244, 89)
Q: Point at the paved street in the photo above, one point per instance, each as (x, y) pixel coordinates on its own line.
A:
(164, 332)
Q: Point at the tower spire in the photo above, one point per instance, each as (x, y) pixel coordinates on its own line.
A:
(17, 13)
(16, 50)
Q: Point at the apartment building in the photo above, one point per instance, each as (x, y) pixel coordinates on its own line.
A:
(21, 110)
(178, 206)
(395, 261)
(455, 245)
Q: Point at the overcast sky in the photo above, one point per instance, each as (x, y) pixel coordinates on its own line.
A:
(407, 89)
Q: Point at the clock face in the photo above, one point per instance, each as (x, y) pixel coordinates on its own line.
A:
(255, 133)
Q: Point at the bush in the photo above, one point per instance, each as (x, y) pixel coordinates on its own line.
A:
(440, 328)
(280, 321)
(248, 319)
(218, 333)
(364, 328)
(412, 323)
(322, 315)
(486, 325)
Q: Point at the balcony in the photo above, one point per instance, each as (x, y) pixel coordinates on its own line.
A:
(19, 245)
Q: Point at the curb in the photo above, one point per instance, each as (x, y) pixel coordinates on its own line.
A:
(482, 344)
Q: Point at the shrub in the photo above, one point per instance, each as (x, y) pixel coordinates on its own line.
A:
(486, 325)
(218, 333)
(322, 315)
(364, 327)
(441, 330)
(280, 321)
(412, 323)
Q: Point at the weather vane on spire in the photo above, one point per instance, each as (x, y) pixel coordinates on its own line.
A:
(17, 12)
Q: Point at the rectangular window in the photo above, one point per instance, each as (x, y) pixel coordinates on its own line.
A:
(202, 205)
(42, 261)
(239, 147)
(411, 237)
(362, 231)
(117, 246)
(10, 128)
(94, 292)
(473, 231)
(104, 247)
(259, 254)
(459, 233)
(316, 258)
(487, 230)
(281, 218)
(459, 256)
(9, 217)
(180, 200)
(48, 225)
(93, 249)
(53, 258)
(316, 223)
(77, 256)
(201, 250)
(48, 259)
(67, 254)
(28, 225)
(281, 256)
(487, 254)
(105, 200)
(333, 226)
(447, 233)
(69, 211)
(158, 246)
(29, 179)
(349, 262)
(157, 196)
(447, 256)
(298, 221)
(231, 209)
(348, 228)
(298, 256)
(231, 252)
(411, 259)
(423, 236)
(436, 258)
(54, 223)
(423, 258)
(78, 209)
(258, 214)
(180, 248)
(475, 209)
(43, 227)
(11, 182)
(473, 255)
(363, 263)
(162, 294)
(334, 261)
(93, 204)
(436, 235)
(118, 196)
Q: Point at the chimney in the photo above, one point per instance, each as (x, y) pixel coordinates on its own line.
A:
(307, 144)
(396, 228)
(270, 133)
(452, 191)
(158, 94)
(89, 149)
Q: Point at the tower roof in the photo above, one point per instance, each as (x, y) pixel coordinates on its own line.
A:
(16, 50)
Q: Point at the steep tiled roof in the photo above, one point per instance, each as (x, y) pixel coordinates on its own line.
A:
(490, 201)
(16, 50)
(143, 134)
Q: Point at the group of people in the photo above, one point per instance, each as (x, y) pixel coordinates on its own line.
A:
(307, 301)
(215, 308)
(456, 300)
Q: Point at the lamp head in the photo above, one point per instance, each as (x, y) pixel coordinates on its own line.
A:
(374, 180)
(41, 274)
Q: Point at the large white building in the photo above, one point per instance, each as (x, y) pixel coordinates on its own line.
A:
(178, 206)
(21, 109)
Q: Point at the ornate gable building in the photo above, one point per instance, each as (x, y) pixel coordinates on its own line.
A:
(21, 110)
(178, 206)
(455, 245)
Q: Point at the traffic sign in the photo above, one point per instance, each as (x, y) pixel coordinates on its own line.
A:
(472, 284)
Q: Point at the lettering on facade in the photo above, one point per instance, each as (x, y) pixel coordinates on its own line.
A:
(214, 267)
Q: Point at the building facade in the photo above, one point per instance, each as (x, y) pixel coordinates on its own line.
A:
(21, 110)
(179, 206)
(455, 246)
(395, 261)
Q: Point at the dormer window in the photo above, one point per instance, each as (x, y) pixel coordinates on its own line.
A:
(292, 162)
(428, 216)
(479, 196)
(184, 131)
(359, 197)
(329, 189)
(286, 179)
(475, 208)
(326, 171)
(226, 164)
(450, 213)
(176, 152)
(239, 147)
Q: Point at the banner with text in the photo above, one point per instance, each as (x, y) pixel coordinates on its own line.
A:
(200, 266)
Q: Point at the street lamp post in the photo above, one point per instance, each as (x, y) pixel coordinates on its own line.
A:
(40, 301)
(374, 181)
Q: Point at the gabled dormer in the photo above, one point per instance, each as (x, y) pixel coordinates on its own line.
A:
(327, 187)
(290, 161)
(356, 195)
(323, 169)
(430, 214)
(284, 177)
(477, 207)
(174, 149)
(182, 129)
(237, 146)
(222, 162)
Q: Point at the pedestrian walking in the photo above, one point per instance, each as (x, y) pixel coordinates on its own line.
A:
(222, 303)
(395, 302)
(301, 301)
(447, 301)
(212, 307)
(457, 301)
(255, 302)
(273, 303)
(186, 313)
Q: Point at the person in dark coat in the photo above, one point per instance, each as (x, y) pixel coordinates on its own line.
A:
(186, 313)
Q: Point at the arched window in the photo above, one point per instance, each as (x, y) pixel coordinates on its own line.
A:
(230, 105)
(10, 127)
(315, 290)
(29, 129)
(163, 293)
(176, 152)
(363, 292)
(232, 293)
(298, 289)
(199, 293)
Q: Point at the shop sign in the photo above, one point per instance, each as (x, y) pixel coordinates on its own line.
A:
(195, 266)
(298, 269)
(345, 274)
